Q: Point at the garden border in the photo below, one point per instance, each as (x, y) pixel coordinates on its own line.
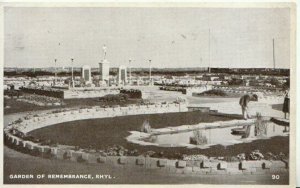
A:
(202, 167)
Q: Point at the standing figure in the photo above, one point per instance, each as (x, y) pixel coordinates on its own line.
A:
(244, 100)
(286, 103)
(104, 48)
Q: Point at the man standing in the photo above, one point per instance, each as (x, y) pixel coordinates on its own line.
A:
(286, 103)
(244, 100)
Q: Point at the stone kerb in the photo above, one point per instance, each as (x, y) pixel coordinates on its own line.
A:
(140, 161)
(91, 157)
(176, 166)
(162, 162)
(250, 164)
(171, 166)
(16, 141)
(181, 164)
(29, 145)
(222, 165)
(76, 156)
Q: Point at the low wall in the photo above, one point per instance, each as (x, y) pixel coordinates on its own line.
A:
(207, 166)
(40, 103)
(199, 167)
(75, 94)
(46, 119)
(248, 90)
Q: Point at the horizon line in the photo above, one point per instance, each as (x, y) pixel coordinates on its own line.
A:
(148, 67)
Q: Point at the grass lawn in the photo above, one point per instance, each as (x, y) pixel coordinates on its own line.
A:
(18, 106)
(216, 93)
(103, 133)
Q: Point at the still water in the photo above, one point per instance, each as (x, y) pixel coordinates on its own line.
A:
(204, 138)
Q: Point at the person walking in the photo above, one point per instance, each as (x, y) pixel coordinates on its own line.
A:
(286, 103)
(244, 100)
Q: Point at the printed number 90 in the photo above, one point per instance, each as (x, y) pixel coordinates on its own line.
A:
(275, 177)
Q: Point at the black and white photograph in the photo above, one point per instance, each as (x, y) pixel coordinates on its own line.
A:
(149, 94)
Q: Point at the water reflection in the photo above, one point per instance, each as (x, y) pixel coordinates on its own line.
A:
(261, 128)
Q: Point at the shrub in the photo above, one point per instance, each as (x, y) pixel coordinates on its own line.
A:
(199, 138)
(146, 128)
(132, 93)
(19, 121)
(117, 98)
(213, 92)
(66, 156)
(48, 154)
(80, 159)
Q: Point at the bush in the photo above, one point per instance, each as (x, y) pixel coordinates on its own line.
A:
(48, 154)
(199, 138)
(213, 92)
(117, 98)
(19, 121)
(132, 93)
(146, 128)
(66, 156)
(80, 159)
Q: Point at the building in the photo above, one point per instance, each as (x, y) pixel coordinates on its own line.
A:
(104, 71)
(122, 75)
(86, 74)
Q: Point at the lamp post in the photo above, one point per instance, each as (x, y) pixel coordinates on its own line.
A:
(273, 53)
(150, 78)
(55, 77)
(72, 73)
(130, 71)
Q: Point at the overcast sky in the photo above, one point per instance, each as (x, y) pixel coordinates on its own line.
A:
(170, 37)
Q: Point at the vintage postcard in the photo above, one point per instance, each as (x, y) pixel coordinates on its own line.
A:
(182, 93)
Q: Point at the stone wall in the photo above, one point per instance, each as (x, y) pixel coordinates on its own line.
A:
(244, 90)
(199, 167)
(75, 94)
(209, 166)
(46, 119)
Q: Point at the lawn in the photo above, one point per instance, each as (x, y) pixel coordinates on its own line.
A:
(215, 93)
(18, 106)
(103, 133)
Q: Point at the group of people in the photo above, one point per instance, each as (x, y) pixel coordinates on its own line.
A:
(244, 100)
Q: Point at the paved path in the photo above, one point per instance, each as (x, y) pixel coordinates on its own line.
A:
(19, 163)
(222, 104)
(231, 105)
